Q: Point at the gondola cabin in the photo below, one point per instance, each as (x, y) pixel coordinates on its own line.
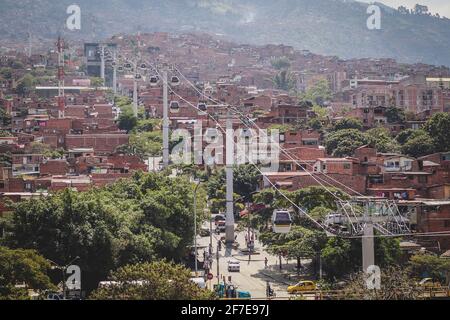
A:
(202, 108)
(281, 221)
(175, 81)
(154, 81)
(174, 107)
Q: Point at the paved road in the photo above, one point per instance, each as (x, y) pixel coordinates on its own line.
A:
(253, 275)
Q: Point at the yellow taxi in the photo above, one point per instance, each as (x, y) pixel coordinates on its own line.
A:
(302, 286)
(428, 283)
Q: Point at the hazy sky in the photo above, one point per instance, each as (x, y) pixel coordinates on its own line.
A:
(440, 6)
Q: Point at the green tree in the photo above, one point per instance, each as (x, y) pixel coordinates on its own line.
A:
(348, 123)
(4, 133)
(122, 101)
(407, 134)
(151, 281)
(396, 284)
(281, 63)
(312, 197)
(26, 84)
(341, 257)
(147, 217)
(19, 267)
(6, 73)
(315, 124)
(429, 266)
(127, 120)
(381, 139)
(5, 119)
(97, 82)
(317, 94)
(344, 142)
(245, 181)
(284, 80)
(395, 115)
(438, 127)
(148, 125)
(299, 243)
(419, 145)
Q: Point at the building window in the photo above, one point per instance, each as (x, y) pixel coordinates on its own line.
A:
(423, 179)
(310, 142)
(347, 166)
(447, 224)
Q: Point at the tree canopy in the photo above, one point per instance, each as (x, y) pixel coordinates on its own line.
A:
(159, 280)
(438, 127)
(141, 219)
(344, 142)
(18, 267)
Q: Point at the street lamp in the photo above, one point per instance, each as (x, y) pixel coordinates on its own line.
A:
(197, 184)
(63, 270)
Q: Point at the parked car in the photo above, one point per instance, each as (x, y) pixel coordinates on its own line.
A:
(54, 296)
(219, 218)
(200, 282)
(302, 286)
(221, 226)
(234, 266)
(205, 232)
(230, 291)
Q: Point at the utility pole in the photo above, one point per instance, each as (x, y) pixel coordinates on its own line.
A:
(195, 227)
(30, 45)
(210, 237)
(61, 75)
(229, 223)
(102, 63)
(218, 258)
(368, 246)
(135, 95)
(165, 120)
(114, 73)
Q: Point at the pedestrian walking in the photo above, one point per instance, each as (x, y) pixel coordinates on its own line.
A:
(266, 261)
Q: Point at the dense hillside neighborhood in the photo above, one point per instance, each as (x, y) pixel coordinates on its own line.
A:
(183, 166)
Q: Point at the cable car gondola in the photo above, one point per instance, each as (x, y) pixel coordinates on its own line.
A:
(175, 81)
(281, 221)
(174, 107)
(154, 81)
(202, 107)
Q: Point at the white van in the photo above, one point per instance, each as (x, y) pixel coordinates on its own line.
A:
(200, 282)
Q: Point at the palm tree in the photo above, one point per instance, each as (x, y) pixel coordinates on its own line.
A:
(284, 80)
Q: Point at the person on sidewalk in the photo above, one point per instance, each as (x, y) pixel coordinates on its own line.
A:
(266, 261)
